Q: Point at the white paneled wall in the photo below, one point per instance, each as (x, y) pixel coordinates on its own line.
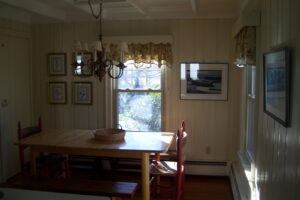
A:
(59, 38)
(212, 125)
(278, 147)
(277, 154)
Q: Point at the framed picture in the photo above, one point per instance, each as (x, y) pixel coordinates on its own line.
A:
(82, 92)
(85, 69)
(204, 81)
(57, 92)
(57, 64)
(277, 85)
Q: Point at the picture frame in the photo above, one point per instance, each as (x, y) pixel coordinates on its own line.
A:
(203, 81)
(57, 92)
(57, 64)
(83, 93)
(277, 85)
(85, 70)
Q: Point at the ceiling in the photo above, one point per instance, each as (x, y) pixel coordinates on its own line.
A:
(47, 11)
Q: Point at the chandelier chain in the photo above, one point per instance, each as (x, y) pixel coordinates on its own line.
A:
(93, 13)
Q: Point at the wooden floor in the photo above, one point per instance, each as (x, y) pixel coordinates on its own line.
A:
(196, 187)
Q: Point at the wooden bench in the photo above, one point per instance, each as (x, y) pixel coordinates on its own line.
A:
(76, 186)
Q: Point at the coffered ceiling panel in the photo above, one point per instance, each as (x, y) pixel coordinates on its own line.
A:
(46, 11)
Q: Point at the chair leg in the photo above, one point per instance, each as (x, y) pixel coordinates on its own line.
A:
(179, 187)
(158, 184)
(67, 167)
(153, 187)
(114, 165)
(182, 184)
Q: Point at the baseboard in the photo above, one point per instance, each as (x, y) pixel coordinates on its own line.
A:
(207, 168)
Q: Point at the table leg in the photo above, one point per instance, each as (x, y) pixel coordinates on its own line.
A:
(33, 162)
(145, 177)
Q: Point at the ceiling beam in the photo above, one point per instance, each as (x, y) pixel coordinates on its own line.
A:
(37, 8)
(194, 6)
(138, 6)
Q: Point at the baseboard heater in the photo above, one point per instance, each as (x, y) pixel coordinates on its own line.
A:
(211, 168)
(206, 163)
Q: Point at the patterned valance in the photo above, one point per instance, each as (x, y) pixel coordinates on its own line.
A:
(145, 53)
(245, 49)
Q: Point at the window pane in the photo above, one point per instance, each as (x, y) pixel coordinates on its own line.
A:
(140, 76)
(139, 111)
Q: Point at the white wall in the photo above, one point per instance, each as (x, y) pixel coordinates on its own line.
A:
(212, 124)
(277, 158)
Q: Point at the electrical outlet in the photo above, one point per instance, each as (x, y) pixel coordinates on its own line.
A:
(208, 150)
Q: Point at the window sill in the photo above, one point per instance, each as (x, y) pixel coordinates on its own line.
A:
(246, 165)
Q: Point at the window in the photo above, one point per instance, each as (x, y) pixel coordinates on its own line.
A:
(251, 111)
(139, 97)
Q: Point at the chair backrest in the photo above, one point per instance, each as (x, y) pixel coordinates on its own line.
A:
(180, 142)
(181, 138)
(24, 133)
(183, 126)
(184, 133)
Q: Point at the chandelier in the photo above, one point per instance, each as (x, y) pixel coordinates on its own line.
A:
(99, 62)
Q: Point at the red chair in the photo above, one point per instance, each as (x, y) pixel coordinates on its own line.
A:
(170, 169)
(44, 162)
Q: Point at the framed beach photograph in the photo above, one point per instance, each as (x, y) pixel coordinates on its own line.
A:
(84, 68)
(277, 85)
(82, 93)
(203, 81)
(57, 92)
(57, 64)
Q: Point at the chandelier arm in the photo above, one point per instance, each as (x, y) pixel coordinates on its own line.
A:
(120, 74)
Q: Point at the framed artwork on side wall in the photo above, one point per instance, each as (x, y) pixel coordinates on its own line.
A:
(203, 81)
(277, 85)
(57, 92)
(82, 93)
(57, 64)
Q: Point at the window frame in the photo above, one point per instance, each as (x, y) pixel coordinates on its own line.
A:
(251, 97)
(161, 91)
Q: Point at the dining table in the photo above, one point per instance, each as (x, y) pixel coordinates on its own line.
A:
(137, 144)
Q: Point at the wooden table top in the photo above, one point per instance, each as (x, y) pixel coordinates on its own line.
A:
(84, 139)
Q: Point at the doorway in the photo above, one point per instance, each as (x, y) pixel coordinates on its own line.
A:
(15, 97)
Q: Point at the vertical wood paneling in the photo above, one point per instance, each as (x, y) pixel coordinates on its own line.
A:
(277, 156)
(59, 38)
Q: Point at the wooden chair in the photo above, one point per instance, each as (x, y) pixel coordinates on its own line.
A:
(44, 162)
(171, 169)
